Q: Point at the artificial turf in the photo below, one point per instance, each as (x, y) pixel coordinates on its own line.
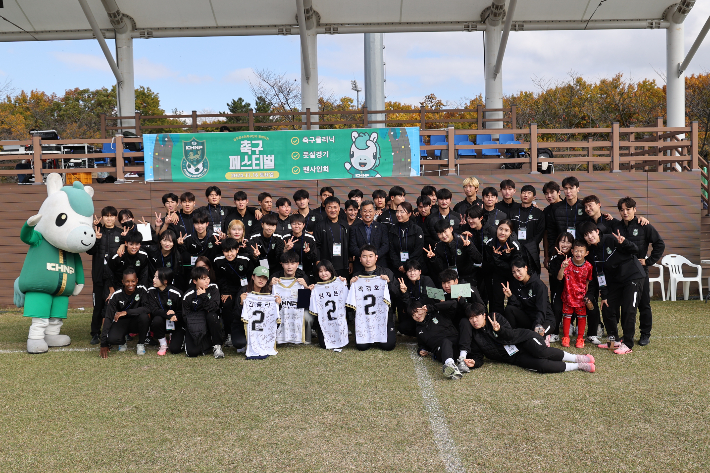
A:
(308, 409)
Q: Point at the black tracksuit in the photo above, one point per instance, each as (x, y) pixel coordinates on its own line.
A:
(136, 320)
(118, 264)
(556, 287)
(196, 247)
(594, 316)
(105, 248)
(326, 234)
(379, 238)
(456, 256)
(408, 238)
(497, 269)
(510, 209)
(532, 353)
(563, 218)
(203, 328)
(388, 217)
(283, 226)
(160, 303)
(251, 224)
(230, 275)
(453, 218)
(530, 222)
(624, 281)
(312, 218)
(456, 308)
(217, 214)
(529, 305)
(184, 227)
(642, 236)
(415, 291)
(270, 249)
(173, 261)
(437, 334)
(307, 259)
(393, 287)
(463, 206)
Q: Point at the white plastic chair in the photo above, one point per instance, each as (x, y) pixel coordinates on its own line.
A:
(659, 280)
(674, 264)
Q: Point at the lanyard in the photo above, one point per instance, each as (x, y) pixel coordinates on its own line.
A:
(268, 247)
(574, 207)
(420, 290)
(187, 230)
(234, 270)
(406, 236)
(160, 301)
(163, 259)
(332, 236)
(456, 244)
(218, 207)
(527, 217)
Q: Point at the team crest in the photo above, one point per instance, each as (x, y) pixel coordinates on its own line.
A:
(249, 223)
(221, 212)
(435, 320)
(194, 159)
(530, 293)
(313, 219)
(241, 268)
(117, 239)
(138, 262)
(608, 251)
(636, 232)
(209, 245)
(458, 251)
(138, 297)
(530, 217)
(170, 302)
(496, 222)
(167, 265)
(579, 212)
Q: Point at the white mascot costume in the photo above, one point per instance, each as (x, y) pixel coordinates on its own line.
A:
(53, 270)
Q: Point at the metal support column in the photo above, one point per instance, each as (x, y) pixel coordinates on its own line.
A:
(675, 83)
(375, 76)
(309, 58)
(126, 90)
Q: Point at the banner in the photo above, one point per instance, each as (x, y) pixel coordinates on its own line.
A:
(282, 155)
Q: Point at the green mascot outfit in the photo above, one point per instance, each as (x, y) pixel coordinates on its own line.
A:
(52, 270)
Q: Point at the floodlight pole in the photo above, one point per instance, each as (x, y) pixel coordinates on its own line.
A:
(375, 76)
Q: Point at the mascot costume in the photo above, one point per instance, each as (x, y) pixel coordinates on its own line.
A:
(53, 271)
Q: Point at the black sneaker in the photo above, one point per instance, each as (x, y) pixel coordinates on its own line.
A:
(95, 340)
(644, 340)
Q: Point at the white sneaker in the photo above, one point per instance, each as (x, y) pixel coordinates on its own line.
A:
(140, 349)
(228, 342)
(554, 338)
(123, 347)
(594, 339)
(461, 365)
(451, 371)
(242, 350)
(218, 353)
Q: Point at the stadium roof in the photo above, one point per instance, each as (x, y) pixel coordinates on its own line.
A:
(64, 19)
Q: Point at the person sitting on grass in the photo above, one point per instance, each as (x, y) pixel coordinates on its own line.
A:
(576, 273)
(413, 287)
(126, 312)
(200, 307)
(436, 335)
(450, 278)
(165, 305)
(493, 338)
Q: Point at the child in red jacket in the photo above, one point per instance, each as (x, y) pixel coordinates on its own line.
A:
(576, 278)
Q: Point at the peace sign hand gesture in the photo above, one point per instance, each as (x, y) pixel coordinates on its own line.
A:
(172, 217)
(559, 252)
(494, 323)
(126, 230)
(466, 241)
(97, 220)
(566, 262)
(97, 232)
(506, 289)
(256, 251)
(619, 237)
(507, 248)
(142, 220)
(158, 220)
(181, 239)
(429, 253)
(288, 244)
(306, 248)
(402, 286)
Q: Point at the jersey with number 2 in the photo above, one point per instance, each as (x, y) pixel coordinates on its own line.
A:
(370, 298)
(328, 304)
(261, 316)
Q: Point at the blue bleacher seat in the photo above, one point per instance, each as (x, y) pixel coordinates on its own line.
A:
(466, 152)
(506, 138)
(481, 139)
(460, 138)
(490, 152)
(422, 152)
(437, 140)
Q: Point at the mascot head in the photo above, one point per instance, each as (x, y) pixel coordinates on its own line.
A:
(67, 216)
(365, 151)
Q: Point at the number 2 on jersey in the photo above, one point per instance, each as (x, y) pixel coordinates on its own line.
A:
(330, 305)
(371, 303)
(260, 321)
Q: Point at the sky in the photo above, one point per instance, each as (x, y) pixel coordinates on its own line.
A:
(204, 74)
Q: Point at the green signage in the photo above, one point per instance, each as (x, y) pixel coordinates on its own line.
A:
(282, 155)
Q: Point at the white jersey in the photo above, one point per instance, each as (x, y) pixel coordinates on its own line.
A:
(293, 320)
(370, 298)
(260, 316)
(328, 304)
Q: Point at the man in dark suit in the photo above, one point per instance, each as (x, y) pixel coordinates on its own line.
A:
(369, 232)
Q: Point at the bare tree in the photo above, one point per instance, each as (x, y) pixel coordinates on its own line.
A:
(277, 89)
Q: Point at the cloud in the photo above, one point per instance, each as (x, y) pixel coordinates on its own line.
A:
(83, 61)
(239, 75)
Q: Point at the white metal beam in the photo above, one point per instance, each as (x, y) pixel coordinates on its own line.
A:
(693, 49)
(102, 42)
(504, 38)
(305, 57)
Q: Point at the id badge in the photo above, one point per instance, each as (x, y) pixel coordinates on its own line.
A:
(244, 282)
(511, 349)
(403, 256)
(264, 262)
(602, 280)
(573, 231)
(522, 233)
(193, 260)
(169, 325)
(336, 249)
(216, 229)
(300, 266)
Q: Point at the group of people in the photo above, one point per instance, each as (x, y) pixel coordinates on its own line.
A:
(251, 277)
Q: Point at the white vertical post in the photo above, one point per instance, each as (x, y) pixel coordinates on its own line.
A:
(375, 76)
(309, 87)
(126, 90)
(675, 84)
(494, 85)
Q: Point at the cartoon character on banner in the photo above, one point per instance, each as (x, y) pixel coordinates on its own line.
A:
(53, 270)
(364, 155)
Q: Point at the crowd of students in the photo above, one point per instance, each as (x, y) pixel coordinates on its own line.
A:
(184, 289)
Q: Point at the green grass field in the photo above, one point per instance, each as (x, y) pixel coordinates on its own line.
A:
(311, 410)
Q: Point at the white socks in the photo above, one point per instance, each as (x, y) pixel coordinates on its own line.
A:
(163, 342)
(449, 361)
(462, 354)
(38, 328)
(571, 366)
(569, 358)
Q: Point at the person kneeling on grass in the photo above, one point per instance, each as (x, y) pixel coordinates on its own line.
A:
(199, 310)
(165, 304)
(493, 338)
(126, 312)
(437, 335)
